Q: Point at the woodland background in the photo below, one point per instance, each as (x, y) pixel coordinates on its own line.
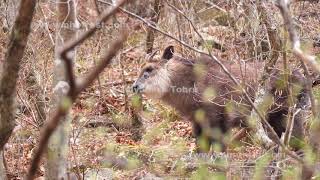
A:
(104, 136)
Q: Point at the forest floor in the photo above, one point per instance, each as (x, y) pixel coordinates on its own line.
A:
(105, 140)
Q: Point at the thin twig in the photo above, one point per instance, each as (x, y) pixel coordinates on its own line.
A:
(46, 25)
(28, 106)
(309, 89)
(95, 63)
(212, 5)
(287, 81)
(289, 127)
(123, 77)
(186, 17)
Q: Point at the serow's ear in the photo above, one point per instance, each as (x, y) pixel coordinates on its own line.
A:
(168, 53)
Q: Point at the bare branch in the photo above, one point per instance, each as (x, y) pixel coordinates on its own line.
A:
(101, 65)
(71, 44)
(294, 38)
(188, 19)
(67, 101)
(289, 127)
(309, 89)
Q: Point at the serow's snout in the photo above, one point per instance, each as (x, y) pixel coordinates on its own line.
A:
(136, 88)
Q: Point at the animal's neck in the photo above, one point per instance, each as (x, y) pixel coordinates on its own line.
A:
(181, 94)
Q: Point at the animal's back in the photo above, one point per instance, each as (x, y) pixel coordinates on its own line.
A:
(203, 85)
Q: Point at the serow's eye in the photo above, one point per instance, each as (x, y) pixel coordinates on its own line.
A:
(149, 69)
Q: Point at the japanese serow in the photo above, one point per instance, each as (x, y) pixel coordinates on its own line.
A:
(203, 93)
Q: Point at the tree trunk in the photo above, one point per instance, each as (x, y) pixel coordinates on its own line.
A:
(58, 144)
(3, 174)
(151, 32)
(10, 9)
(11, 66)
(18, 41)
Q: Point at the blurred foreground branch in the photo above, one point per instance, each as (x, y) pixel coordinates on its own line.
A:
(308, 168)
(67, 101)
(75, 89)
(294, 38)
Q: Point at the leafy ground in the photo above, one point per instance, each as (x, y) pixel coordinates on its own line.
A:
(105, 137)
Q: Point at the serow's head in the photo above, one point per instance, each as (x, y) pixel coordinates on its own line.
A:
(154, 78)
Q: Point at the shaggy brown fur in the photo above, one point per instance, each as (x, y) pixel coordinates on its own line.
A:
(205, 95)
